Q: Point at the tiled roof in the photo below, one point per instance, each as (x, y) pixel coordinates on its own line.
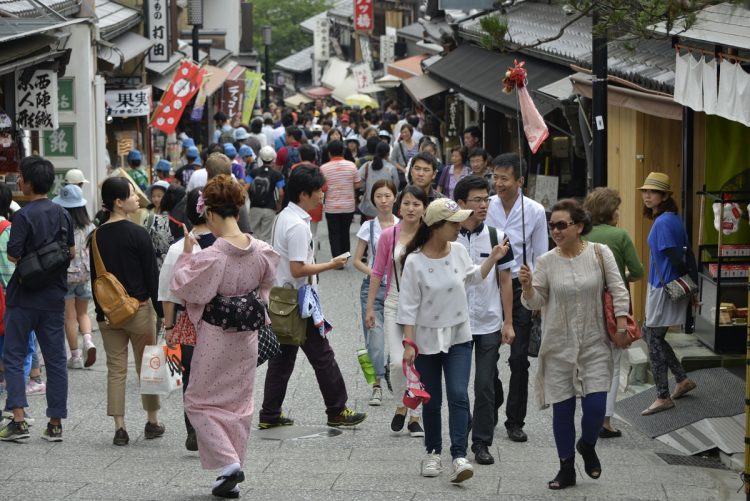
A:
(414, 30)
(722, 24)
(341, 6)
(299, 62)
(114, 18)
(28, 8)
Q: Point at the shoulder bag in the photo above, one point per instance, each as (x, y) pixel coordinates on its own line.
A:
(35, 268)
(608, 306)
(118, 307)
(684, 285)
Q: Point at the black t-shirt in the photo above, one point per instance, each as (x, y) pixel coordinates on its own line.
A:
(36, 225)
(275, 181)
(183, 173)
(127, 253)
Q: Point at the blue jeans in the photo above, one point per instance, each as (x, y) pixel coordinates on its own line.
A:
(456, 364)
(374, 338)
(50, 332)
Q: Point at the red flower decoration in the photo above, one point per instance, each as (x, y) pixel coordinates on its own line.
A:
(515, 77)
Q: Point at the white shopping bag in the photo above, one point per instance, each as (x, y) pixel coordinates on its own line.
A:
(161, 370)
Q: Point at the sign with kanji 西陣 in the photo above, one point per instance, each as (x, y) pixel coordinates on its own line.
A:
(36, 100)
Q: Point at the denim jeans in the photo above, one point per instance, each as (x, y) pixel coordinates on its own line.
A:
(456, 364)
(374, 338)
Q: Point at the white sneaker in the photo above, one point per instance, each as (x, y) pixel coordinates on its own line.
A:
(431, 465)
(377, 396)
(75, 363)
(462, 470)
(36, 388)
(90, 350)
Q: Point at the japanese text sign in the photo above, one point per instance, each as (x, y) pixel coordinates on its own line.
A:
(364, 13)
(252, 85)
(363, 76)
(185, 83)
(387, 49)
(233, 96)
(158, 30)
(36, 101)
(129, 102)
(321, 40)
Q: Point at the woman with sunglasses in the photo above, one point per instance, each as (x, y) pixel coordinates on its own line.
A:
(575, 358)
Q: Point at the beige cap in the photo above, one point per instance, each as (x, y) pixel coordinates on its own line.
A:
(445, 209)
(75, 176)
(657, 181)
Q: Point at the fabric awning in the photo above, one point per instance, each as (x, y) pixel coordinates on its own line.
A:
(650, 104)
(478, 73)
(317, 92)
(127, 46)
(297, 100)
(349, 87)
(422, 87)
(388, 81)
(408, 67)
(335, 73)
(216, 78)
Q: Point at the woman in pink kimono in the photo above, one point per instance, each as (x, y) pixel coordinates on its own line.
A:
(219, 400)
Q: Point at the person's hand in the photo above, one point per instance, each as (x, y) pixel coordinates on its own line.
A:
(622, 340)
(337, 263)
(409, 354)
(188, 242)
(622, 323)
(500, 250)
(370, 319)
(509, 334)
(168, 338)
(525, 276)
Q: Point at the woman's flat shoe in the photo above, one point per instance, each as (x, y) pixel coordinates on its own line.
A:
(690, 386)
(654, 409)
(591, 463)
(227, 485)
(605, 433)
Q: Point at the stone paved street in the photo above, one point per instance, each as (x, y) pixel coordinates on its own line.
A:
(368, 463)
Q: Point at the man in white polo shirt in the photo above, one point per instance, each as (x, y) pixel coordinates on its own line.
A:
(293, 240)
(505, 213)
(488, 301)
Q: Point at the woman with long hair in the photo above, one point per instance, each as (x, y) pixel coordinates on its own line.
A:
(668, 242)
(403, 151)
(126, 252)
(434, 313)
(219, 400)
(372, 172)
(79, 284)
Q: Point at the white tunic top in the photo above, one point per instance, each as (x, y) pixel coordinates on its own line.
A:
(576, 354)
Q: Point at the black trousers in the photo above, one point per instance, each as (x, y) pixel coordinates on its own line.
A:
(486, 355)
(518, 392)
(338, 232)
(187, 359)
(319, 353)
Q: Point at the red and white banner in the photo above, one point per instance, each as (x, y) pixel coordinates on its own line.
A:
(185, 83)
(364, 15)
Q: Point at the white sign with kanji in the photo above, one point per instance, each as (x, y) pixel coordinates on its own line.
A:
(364, 46)
(36, 101)
(129, 102)
(322, 39)
(158, 30)
(363, 76)
(387, 49)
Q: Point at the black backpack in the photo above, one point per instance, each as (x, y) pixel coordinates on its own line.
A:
(261, 189)
(292, 157)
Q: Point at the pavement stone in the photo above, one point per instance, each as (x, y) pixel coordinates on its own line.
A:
(366, 463)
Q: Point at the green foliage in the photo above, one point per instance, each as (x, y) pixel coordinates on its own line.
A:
(284, 17)
(494, 30)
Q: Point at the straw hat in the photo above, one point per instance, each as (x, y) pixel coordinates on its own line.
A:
(657, 181)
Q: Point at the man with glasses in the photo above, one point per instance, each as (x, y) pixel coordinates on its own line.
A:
(490, 311)
(509, 212)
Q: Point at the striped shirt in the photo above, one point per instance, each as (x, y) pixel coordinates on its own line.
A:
(341, 176)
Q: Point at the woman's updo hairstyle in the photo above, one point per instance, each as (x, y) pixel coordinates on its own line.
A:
(224, 196)
(577, 213)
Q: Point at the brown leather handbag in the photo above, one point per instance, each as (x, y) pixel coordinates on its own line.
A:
(118, 307)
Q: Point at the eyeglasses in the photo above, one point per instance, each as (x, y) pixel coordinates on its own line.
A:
(560, 225)
(479, 200)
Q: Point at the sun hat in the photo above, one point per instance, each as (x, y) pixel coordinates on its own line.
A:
(354, 137)
(240, 134)
(163, 165)
(267, 154)
(70, 196)
(192, 152)
(75, 176)
(384, 133)
(230, 150)
(188, 142)
(445, 209)
(246, 151)
(657, 181)
(134, 156)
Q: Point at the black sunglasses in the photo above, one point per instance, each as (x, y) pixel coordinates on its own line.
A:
(560, 225)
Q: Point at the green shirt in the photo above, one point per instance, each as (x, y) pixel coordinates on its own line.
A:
(140, 178)
(621, 246)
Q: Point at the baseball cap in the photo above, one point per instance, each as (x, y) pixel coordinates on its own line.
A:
(384, 133)
(354, 137)
(188, 142)
(230, 150)
(75, 176)
(267, 154)
(246, 151)
(163, 165)
(134, 156)
(240, 134)
(70, 196)
(445, 209)
(160, 184)
(192, 152)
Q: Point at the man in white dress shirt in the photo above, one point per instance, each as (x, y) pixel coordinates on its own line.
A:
(504, 213)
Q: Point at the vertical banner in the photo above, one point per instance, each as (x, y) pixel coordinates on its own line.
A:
(186, 81)
(36, 100)
(387, 49)
(454, 121)
(364, 13)
(233, 96)
(252, 85)
(157, 30)
(321, 40)
(363, 76)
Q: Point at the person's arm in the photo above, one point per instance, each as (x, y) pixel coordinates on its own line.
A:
(535, 286)
(359, 252)
(633, 265)
(397, 158)
(409, 353)
(505, 278)
(372, 293)
(409, 301)
(18, 234)
(357, 179)
(300, 269)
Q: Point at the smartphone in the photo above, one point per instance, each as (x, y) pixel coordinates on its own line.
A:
(346, 255)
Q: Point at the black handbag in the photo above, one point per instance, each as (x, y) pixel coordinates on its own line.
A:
(236, 313)
(35, 269)
(268, 345)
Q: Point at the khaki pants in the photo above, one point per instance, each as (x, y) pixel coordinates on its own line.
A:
(140, 331)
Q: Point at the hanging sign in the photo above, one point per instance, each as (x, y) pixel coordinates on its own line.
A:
(125, 103)
(364, 14)
(252, 85)
(387, 49)
(233, 96)
(158, 30)
(363, 76)
(364, 47)
(185, 83)
(36, 101)
(321, 40)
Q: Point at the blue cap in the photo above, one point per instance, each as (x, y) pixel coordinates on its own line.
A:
(230, 150)
(163, 165)
(192, 152)
(134, 156)
(70, 196)
(246, 151)
(188, 142)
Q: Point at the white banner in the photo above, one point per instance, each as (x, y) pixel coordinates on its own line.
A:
(387, 49)
(322, 40)
(364, 46)
(363, 76)
(125, 103)
(36, 101)
(157, 30)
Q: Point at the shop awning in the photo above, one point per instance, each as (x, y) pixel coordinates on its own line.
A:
(477, 73)
(122, 49)
(388, 81)
(349, 87)
(335, 72)
(297, 100)
(165, 69)
(114, 19)
(299, 62)
(21, 53)
(650, 104)
(422, 87)
(216, 78)
(408, 67)
(317, 92)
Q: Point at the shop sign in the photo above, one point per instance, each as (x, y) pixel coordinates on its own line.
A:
(36, 101)
(363, 76)
(232, 98)
(125, 103)
(364, 14)
(453, 121)
(185, 83)
(158, 30)
(65, 95)
(252, 86)
(60, 142)
(364, 47)
(321, 40)
(387, 49)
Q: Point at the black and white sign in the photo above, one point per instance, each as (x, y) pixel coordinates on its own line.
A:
(158, 30)
(322, 40)
(125, 103)
(387, 49)
(36, 101)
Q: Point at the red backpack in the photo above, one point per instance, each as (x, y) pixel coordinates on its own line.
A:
(3, 226)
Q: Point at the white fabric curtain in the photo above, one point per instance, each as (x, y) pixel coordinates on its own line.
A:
(727, 90)
(742, 96)
(681, 67)
(710, 89)
(694, 87)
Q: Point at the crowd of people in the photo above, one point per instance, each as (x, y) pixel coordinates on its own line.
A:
(456, 259)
